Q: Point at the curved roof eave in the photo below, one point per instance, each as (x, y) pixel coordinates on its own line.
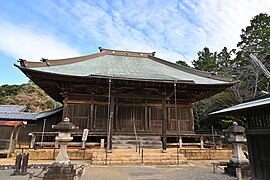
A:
(26, 70)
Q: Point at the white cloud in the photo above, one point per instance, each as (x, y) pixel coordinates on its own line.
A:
(174, 29)
(223, 20)
(26, 43)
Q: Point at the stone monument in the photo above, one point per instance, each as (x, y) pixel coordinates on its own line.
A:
(239, 161)
(62, 168)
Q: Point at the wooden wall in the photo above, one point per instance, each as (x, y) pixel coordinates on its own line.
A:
(258, 138)
(147, 116)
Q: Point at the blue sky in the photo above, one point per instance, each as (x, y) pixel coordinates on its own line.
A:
(176, 30)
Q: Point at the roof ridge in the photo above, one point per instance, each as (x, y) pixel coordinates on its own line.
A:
(127, 53)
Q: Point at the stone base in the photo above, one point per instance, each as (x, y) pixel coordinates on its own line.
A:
(60, 172)
(245, 169)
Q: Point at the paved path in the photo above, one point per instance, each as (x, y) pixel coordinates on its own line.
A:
(152, 172)
(196, 171)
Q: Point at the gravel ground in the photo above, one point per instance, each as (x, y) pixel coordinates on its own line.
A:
(196, 171)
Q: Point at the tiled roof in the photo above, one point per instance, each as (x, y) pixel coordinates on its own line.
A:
(28, 116)
(244, 106)
(18, 116)
(12, 108)
(49, 113)
(124, 65)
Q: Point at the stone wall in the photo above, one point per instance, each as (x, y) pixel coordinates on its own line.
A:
(77, 154)
(207, 154)
(51, 153)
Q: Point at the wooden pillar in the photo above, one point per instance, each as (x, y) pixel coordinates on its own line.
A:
(146, 119)
(169, 116)
(117, 122)
(17, 134)
(33, 140)
(180, 142)
(164, 125)
(91, 125)
(110, 126)
(65, 110)
(201, 142)
(191, 119)
(10, 147)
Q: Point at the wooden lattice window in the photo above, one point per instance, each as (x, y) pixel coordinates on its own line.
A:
(126, 116)
(79, 114)
(180, 119)
(155, 117)
(101, 117)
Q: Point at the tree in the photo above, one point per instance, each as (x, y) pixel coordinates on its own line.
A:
(29, 95)
(225, 60)
(207, 61)
(182, 63)
(255, 39)
(220, 63)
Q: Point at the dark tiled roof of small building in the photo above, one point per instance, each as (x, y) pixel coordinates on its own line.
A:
(12, 108)
(28, 116)
(49, 113)
(18, 116)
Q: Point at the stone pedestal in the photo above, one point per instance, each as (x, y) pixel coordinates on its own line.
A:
(244, 167)
(60, 172)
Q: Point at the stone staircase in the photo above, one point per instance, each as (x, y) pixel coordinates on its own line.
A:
(129, 142)
(131, 157)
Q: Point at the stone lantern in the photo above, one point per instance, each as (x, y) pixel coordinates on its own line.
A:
(239, 164)
(62, 168)
(64, 136)
(237, 138)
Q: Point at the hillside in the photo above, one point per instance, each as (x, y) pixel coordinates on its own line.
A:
(29, 95)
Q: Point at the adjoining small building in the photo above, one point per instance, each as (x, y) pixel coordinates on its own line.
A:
(9, 129)
(121, 93)
(16, 124)
(257, 114)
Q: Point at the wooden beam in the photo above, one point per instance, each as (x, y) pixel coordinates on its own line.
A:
(164, 125)
(140, 96)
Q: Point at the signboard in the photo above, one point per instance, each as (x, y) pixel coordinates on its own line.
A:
(85, 134)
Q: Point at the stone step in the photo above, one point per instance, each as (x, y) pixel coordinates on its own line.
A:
(130, 157)
(128, 142)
